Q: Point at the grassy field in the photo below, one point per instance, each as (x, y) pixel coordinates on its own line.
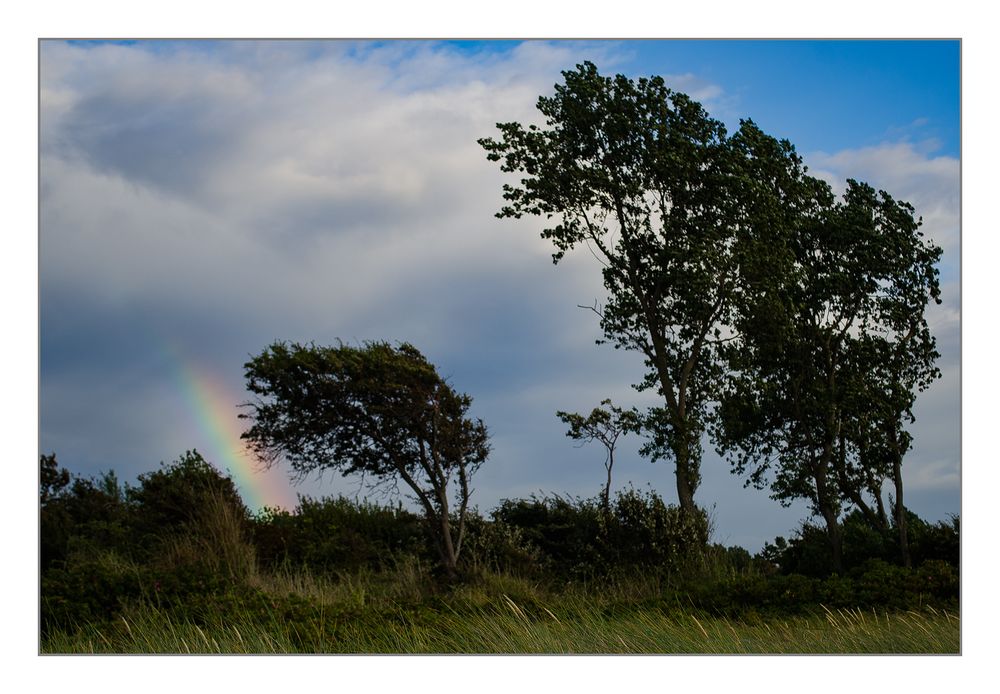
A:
(503, 615)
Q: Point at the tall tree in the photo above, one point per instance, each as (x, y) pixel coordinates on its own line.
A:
(644, 179)
(814, 368)
(606, 424)
(378, 410)
(899, 361)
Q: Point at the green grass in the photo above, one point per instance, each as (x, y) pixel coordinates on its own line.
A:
(398, 613)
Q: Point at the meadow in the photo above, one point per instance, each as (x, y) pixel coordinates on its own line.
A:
(499, 616)
(178, 565)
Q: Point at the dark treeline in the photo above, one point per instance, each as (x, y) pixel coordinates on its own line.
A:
(183, 540)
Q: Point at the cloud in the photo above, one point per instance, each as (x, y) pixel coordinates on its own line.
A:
(222, 196)
(277, 181)
(908, 172)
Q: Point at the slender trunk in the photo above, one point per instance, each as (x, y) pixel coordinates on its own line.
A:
(824, 495)
(900, 510)
(606, 495)
(853, 492)
(685, 481)
(836, 538)
(447, 549)
(827, 509)
(883, 518)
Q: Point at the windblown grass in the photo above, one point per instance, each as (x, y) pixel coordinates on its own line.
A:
(474, 621)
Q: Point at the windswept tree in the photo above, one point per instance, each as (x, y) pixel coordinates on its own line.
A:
(643, 178)
(377, 410)
(605, 424)
(897, 362)
(817, 392)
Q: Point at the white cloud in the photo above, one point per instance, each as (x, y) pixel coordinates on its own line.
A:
(908, 172)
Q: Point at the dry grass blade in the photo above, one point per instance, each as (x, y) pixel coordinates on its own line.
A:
(700, 626)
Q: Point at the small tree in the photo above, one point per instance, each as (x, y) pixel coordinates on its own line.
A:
(606, 426)
(377, 410)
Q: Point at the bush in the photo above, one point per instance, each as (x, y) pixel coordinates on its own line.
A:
(79, 515)
(646, 533)
(498, 547)
(575, 539)
(934, 542)
(173, 500)
(808, 552)
(567, 532)
(338, 534)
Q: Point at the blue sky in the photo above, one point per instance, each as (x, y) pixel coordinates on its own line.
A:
(216, 196)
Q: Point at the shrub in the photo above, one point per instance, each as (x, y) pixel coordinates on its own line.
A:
(498, 547)
(78, 514)
(646, 533)
(92, 590)
(338, 534)
(808, 552)
(577, 539)
(567, 532)
(170, 499)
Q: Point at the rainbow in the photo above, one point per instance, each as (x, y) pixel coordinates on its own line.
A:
(214, 408)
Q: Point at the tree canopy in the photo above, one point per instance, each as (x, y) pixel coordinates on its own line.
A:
(378, 410)
(675, 211)
(823, 373)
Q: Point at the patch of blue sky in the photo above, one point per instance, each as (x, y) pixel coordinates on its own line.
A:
(823, 95)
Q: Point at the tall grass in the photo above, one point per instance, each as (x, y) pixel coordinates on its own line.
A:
(504, 626)
(218, 540)
(401, 612)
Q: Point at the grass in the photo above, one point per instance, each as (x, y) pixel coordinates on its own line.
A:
(399, 614)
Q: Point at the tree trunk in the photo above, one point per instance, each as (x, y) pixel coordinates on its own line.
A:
(836, 539)
(449, 559)
(883, 518)
(685, 483)
(824, 501)
(606, 495)
(900, 511)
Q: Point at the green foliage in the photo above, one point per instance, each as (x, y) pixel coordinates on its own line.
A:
(565, 531)
(183, 499)
(497, 547)
(934, 542)
(52, 479)
(605, 424)
(577, 539)
(338, 534)
(196, 611)
(77, 513)
(543, 563)
(828, 358)
(378, 410)
(807, 552)
(88, 591)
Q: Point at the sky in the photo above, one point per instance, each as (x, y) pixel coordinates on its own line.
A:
(199, 200)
